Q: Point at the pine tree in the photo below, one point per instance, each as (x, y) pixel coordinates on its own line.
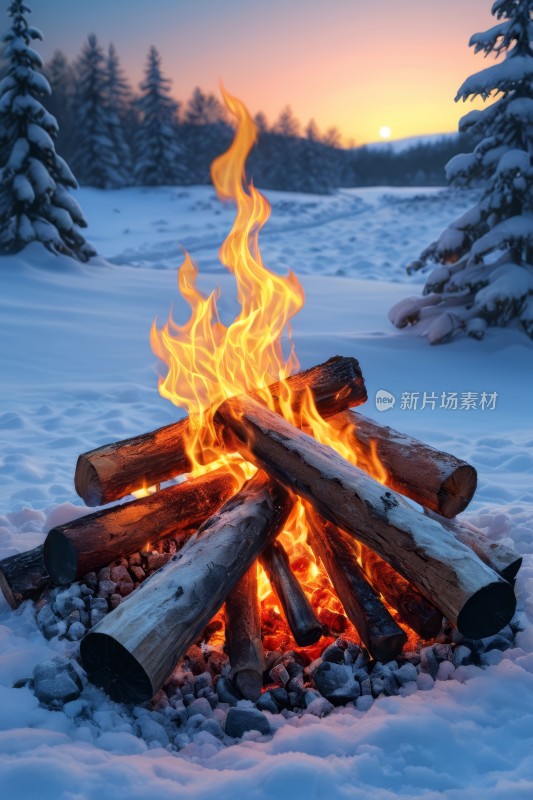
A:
(206, 133)
(95, 159)
(485, 258)
(35, 204)
(158, 152)
(62, 80)
(119, 104)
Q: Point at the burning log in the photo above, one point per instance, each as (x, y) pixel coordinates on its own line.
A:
(499, 557)
(383, 638)
(434, 479)
(114, 470)
(135, 647)
(95, 540)
(471, 595)
(413, 608)
(23, 576)
(243, 636)
(302, 620)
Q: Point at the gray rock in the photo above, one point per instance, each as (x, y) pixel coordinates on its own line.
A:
(334, 654)
(152, 731)
(366, 688)
(336, 682)
(213, 727)
(266, 703)
(461, 656)
(48, 622)
(296, 684)
(240, 720)
(188, 698)
(428, 661)
(226, 692)
(202, 681)
(200, 706)
(384, 684)
(310, 695)
(280, 675)
(320, 707)
(76, 631)
(280, 696)
(106, 588)
(57, 682)
(443, 652)
(66, 602)
(425, 682)
(405, 674)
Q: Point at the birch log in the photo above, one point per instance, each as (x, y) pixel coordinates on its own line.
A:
(114, 470)
(243, 636)
(301, 619)
(93, 541)
(433, 478)
(471, 595)
(380, 634)
(23, 576)
(135, 647)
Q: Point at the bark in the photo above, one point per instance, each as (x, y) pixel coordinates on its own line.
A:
(301, 619)
(433, 478)
(23, 576)
(115, 470)
(380, 634)
(93, 541)
(243, 636)
(471, 595)
(135, 647)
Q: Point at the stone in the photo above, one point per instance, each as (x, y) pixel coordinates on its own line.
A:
(312, 667)
(279, 675)
(266, 703)
(195, 659)
(76, 632)
(202, 681)
(320, 707)
(200, 706)
(240, 720)
(213, 727)
(280, 696)
(424, 681)
(48, 622)
(124, 588)
(104, 574)
(364, 703)
(445, 671)
(106, 588)
(366, 688)
(66, 602)
(336, 682)
(120, 575)
(155, 561)
(406, 673)
(115, 600)
(135, 559)
(334, 654)
(226, 692)
(152, 731)
(461, 656)
(443, 652)
(296, 684)
(138, 572)
(57, 682)
(428, 661)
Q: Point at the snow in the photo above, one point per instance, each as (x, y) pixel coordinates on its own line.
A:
(77, 371)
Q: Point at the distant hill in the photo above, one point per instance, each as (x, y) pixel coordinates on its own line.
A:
(397, 146)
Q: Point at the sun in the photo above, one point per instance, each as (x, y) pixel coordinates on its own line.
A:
(385, 132)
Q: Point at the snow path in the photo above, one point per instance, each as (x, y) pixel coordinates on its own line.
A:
(77, 371)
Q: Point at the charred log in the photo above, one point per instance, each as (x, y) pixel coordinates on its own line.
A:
(243, 636)
(23, 576)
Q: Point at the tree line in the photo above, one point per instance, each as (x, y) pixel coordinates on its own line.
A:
(114, 137)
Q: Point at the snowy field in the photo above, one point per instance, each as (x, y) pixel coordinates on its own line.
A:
(77, 371)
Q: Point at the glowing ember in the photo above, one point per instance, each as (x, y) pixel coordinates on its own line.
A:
(207, 362)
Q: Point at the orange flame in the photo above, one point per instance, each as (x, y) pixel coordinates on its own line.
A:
(208, 362)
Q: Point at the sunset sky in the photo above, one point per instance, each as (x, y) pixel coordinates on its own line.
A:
(357, 65)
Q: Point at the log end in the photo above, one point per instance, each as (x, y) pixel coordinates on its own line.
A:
(111, 667)
(87, 483)
(510, 572)
(249, 683)
(488, 611)
(60, 558)
(307, 636)
(457, 491)
(387, 647)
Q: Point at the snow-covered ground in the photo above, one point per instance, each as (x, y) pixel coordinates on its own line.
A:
(77, 371)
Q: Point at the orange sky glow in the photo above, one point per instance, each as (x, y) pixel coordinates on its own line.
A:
(357, 65)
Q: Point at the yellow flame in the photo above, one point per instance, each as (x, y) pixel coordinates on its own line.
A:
(208, 361)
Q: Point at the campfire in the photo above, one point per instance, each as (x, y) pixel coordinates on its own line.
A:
(291, 524)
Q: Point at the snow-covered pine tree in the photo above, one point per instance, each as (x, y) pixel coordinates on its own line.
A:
(485, 258)
(35, 204)
(158, 153)
(206, 134)
(61, 78)
(95, 159)
(119, 102)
